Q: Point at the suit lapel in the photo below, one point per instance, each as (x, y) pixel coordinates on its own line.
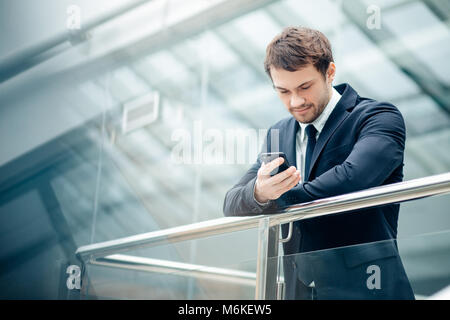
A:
(347, 101)
(288, 141)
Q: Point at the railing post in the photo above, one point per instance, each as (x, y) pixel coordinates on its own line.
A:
(266, 265)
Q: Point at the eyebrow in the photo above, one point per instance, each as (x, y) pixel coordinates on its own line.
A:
(281, 88)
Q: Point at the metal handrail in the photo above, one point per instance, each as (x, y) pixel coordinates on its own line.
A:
(393, 193)
(159, 266)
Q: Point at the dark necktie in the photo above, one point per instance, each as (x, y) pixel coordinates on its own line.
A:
(311, 132)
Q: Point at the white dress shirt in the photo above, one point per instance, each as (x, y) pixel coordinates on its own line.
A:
(319, 123)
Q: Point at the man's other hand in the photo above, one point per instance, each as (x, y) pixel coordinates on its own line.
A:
(271, 188)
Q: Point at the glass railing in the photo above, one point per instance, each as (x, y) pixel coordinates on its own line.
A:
(206, 268)
(131, 277)
(415, 266)
(411, 268)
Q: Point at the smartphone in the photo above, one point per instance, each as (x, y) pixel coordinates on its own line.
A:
(267, 157)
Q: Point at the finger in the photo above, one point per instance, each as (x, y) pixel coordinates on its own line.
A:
(278, 178)
(273, 164)
(289, 183)
(294, 183)
(263, 172)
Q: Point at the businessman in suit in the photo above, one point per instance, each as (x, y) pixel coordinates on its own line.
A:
(336, 142)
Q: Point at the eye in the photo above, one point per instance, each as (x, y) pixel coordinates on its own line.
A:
(283, 91)
(305, 88)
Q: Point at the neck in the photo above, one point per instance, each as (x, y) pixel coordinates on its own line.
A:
(330, 92)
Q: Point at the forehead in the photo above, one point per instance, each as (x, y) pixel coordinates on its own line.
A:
(292, 79)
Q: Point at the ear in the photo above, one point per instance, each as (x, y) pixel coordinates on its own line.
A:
(331, 72)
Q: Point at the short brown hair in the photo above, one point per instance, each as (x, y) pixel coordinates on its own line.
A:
(296, 47)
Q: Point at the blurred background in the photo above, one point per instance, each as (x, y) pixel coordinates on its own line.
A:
(95, 97)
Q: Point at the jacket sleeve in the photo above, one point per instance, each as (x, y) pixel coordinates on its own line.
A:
(240, 200)
(377, 152)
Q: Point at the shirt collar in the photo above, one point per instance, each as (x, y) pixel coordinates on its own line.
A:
(319, 123)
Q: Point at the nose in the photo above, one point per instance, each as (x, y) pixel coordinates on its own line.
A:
(296, 101)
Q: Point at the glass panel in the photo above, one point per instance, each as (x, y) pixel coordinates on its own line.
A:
(209, 268)
(410, 268)
(423, 36)
(258, 28)
(196, 283)
(381, 77)
(324, 15)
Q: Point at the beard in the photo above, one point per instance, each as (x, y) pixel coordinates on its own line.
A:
(315, 110)
(318, 109)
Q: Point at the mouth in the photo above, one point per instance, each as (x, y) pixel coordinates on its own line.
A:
(300, 110)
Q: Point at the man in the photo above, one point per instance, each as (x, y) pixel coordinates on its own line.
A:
(340, 143)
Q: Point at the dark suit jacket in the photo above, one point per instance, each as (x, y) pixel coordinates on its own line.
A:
(361, 146)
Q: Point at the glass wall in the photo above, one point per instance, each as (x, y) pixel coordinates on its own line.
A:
(124, 117)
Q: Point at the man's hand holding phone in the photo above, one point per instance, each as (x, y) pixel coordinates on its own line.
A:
(269, 187)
